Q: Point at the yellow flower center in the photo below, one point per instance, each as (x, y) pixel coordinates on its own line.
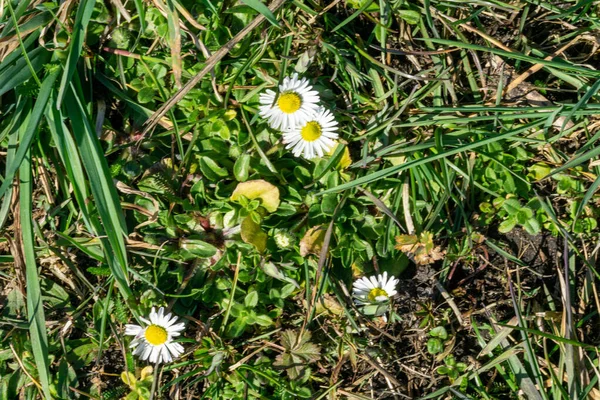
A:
(375, 293)
(156, 335)
(311, 131)
(289, 102)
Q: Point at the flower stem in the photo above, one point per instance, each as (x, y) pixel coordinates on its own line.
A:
(154, 382)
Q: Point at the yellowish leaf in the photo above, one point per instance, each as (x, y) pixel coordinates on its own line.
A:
(258, 189)
(146, 372)
(129, 379)
(345, 161)
(251, 233)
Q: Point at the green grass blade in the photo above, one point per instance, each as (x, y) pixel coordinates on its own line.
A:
(30, 131)
(13, 56)
(575, 161)
(18, 72)
(264, 10)
(35, 307)
(518, 56)
(103, 190)
(586, 97)
(69, 155)
(588, 196)
(84, 14)
(141, 11)
(353, 16)
(13, 140)
(18, 12)
(398, 168)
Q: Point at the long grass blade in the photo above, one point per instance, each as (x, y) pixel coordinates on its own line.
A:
(18, 72)
(518, 56)
(30, 131)
(84, 14)
(411, 164)
(103, 190)
(264, 10)
(35, 307)
(13, 140)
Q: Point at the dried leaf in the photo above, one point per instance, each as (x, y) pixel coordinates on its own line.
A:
(297, 354)
(312, 242)
(258, 189)
(420, 248)
(329, 304)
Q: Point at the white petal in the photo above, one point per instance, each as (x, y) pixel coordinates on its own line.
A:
(133, 329)
(177, 327)
(154, 354)
(374, 281)
(153, 316)
(148, 351)
(166, 357)
(175, 349)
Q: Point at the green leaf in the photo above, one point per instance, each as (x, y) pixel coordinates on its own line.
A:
(211, 169)
(523, 215)
(198, 248)
(251, 299)
(264, 10)
(507, 226)
(439, 332)
(512, 206)
(263, 320)
(241, 168)
(146, 95)
(237, 327)
(270, 269)
(539, 170)
(532, 226)
(410, 16)
(103, 190)
(486, 208)
(374, 309)
(435, 346)
(443, 370)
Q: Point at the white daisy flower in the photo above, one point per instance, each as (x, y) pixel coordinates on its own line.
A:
(155, 341)
(374, 289)
(296, 102)
(313, 138)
